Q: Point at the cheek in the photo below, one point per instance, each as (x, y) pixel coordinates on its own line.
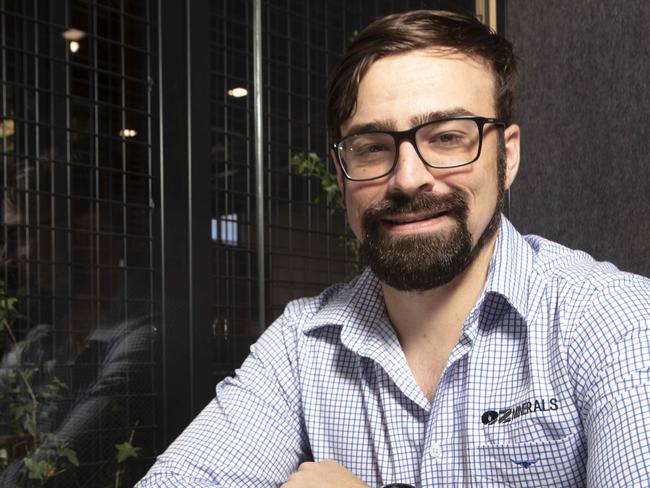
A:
(357, 200)
(484, 198)
(355, 213)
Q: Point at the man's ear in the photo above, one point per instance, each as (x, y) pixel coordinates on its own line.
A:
(339, 175)
(512, 136)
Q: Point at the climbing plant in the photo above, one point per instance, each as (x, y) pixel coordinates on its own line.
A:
(28, 405)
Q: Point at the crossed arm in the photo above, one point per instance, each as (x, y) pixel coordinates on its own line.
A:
(252, 433)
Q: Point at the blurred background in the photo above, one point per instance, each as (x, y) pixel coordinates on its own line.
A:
(135, 272)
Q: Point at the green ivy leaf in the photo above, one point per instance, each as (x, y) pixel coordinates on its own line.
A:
(308, 164)
(10, 303)
(125, 450)
(56, 383)
(39, 470)
(29, 425)
(69, 454)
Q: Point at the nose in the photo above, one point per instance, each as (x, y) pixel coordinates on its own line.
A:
(411, 175)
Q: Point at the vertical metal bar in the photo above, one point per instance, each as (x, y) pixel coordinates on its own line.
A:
(50, 165)
(486, 10)
(97, 305)
(90, 103)
(330, 216)
(259, 154)
(125, 275)
(6, 121)
(25, 234)
(224, 271)
(289, 99)
(37, 163)
(492, 14)
(68, 179)
(125, 124)
(150, 192)
(155, 414)
(190, 198)
(161, 186)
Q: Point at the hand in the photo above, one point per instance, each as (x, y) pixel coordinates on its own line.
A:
(324, 474)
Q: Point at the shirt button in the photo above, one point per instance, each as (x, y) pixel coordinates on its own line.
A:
(435, 451)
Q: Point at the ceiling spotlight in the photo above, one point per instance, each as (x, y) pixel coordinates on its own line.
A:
(128, 133)
(238, 92)
(73, 35)
(74, 46)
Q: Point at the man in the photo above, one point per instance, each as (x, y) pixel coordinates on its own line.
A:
(467, 355)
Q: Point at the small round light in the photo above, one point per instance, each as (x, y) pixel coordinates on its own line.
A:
(238, 92)
(74, 46)
(128, 133)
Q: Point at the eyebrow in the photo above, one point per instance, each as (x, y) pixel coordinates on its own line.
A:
(419, 119)
(424, 118)
(374, 126)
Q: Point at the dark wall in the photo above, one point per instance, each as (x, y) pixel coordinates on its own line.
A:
(584, 111)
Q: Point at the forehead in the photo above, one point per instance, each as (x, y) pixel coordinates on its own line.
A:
(397, 88)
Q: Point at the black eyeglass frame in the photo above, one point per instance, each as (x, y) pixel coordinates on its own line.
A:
(409, 135)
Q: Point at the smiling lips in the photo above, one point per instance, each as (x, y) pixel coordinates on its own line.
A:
(413, 221)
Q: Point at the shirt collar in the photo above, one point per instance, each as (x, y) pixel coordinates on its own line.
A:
(510, 269)
(359, 308)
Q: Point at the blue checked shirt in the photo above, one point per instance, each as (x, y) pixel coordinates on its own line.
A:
(549, 385)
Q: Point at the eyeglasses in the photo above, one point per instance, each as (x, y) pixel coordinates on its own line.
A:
(445, 143)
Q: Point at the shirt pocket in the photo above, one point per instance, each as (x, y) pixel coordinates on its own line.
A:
(559, 463)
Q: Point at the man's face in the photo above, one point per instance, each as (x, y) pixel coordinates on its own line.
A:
(420, 226)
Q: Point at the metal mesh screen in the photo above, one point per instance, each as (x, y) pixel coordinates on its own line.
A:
(77, 239)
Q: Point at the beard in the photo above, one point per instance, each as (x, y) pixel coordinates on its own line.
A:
(432, 259)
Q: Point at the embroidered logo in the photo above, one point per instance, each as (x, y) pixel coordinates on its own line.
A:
(504, 416)
(526, 463)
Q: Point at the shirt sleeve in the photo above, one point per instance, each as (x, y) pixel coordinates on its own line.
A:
(252, 433)
(610, 356)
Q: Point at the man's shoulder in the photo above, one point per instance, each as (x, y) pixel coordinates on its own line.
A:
(582, 283)
(558, 263)
(303, 313)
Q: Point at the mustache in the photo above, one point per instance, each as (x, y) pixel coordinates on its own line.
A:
(453, 203)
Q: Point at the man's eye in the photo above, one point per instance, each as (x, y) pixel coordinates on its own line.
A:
(373, 148)
(448, 138)
(369, 149)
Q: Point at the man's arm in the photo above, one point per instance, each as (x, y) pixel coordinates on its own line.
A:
(251, 434)
(610, 359)
(324, 474)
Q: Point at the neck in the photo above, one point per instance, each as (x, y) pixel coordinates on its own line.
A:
(438, 314)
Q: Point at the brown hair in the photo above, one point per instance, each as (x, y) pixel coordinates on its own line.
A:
(419, 29)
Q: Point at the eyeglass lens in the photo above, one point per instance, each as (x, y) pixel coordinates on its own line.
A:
(441, 144)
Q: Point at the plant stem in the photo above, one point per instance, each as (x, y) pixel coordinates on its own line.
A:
(12, 337)
(34, 408)
(133, 431)
(118, 474)
(30, 391)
